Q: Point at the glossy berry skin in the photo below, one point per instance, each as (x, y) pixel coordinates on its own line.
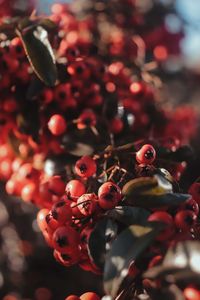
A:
(185, 219)
(163, 217)
(109, 195)
(68, 259)
(86, 119)
(56, 185)
(194, 190)
(191, 293)
(57, 124)
(85, 167)
(65, 239)
(84, 236)
(74, 189)
(29, 192)
(89, 296)
(146, 155)
(87, 204)
(62, 212)
(72, 297)
(192, 205)
(41, 218)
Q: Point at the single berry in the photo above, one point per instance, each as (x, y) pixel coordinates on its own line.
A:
(109, 195)
(146, 155)
(74, 189)
(87, 204)
(86, 119)
(68, 259)
(185, 219)
(191, 293)
(65, 239)
(163, 217)
(85, 167)
(56, 185)
(89, 296)
(194, 190)
(62, 212)
(72, 297)
(57, 125)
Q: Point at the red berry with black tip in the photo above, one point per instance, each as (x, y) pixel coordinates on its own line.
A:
(109, 195)
(74, 189)
(87, 204)
(66, 239)
(85, 167)
(146, 155)
(185, 219)
(62, 212)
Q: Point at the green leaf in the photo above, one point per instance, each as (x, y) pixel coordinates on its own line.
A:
(181, 264)
(129, 215)
(156, 185)
(100, 241)
(152, 192)
(39, 52)
(127, 247)
(47, 24)
(169, 199)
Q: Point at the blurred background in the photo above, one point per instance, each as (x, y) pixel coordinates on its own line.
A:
(28, 269)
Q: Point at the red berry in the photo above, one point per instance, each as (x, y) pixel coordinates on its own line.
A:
(195, 191)
(51, 223)
(85, 167)
(87, 204)
(185, 219)
(41, 218)
(89, 296)
(72, 297)
(109, 195)
(57, 125)
(116, 125)
(161, 216)
(65, 239)
(56, 185)
(86, 119)
(61, 212)
(27, 171)
(84, 236)
(146, 155)
(191, 293)
(68, 259)
(192, 205)
(29, 192)
(74, 189)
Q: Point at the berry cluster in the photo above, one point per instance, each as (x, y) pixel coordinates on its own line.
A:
(86, 199)
(68, 148)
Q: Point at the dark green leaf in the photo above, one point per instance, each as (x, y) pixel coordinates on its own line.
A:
(47, 24)
(181, 263)
(156, 185)
(39, 52)
(100, 241)
(129, 215)
(150, 201)
(151, 192)
(127, 247)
